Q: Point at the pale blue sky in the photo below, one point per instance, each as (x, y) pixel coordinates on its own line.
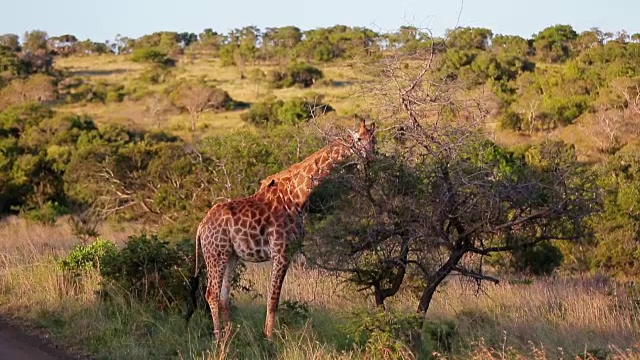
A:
(102, 20)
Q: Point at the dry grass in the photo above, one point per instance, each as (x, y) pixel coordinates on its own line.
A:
(337, 91)
(549, 318)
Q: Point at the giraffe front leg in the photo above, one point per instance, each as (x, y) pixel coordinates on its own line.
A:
(280, 266)
(216, 271)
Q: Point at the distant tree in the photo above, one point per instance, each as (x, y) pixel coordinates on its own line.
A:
(63, 44)
(553, 44)
(513, 45)
(35, 41)
(91, 47)
(528, 103)
(185, 39)
(211, 40)
(588, 39)
(279, 43)
(246, 41)
(122, 44)
(257, 76)
(468, 38)
(9, 62)
(36, 88)
(197, 97)
(168, 42)
(157, 106)
(10, 41)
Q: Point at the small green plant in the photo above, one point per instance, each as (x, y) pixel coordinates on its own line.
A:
(293, 312)
(386, 334)
(46, 214)
(86, 257)
(594, 354)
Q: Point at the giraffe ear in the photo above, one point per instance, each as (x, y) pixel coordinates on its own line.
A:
(363, 124)
(372, 127)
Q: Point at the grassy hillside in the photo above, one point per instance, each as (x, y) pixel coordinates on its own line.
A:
(337, 90)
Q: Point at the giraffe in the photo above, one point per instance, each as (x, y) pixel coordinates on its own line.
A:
(267, 225)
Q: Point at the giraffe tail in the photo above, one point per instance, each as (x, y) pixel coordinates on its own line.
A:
(197, 270)
(194, 282)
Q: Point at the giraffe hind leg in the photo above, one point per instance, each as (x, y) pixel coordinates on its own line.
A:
(214, 283)
(226, 288)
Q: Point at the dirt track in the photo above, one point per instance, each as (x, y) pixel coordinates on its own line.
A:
(16, 343)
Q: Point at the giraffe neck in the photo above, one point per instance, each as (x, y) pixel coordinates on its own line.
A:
(297, 182)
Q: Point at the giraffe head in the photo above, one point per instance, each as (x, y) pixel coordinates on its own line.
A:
(364, 140)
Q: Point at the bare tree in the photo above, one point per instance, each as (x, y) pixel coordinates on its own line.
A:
(441, 197)
(157, 107)
(197, 97)
(605, 128)
(629, 89)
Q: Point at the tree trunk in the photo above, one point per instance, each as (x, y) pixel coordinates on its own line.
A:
(434, 280)
(194, 121)
(379, 296)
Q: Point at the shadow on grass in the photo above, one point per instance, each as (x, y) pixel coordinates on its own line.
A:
(98, 72)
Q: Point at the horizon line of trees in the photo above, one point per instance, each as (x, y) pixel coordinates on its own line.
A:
(320, 44)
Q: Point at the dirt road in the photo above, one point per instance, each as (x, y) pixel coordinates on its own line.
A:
(17, 344)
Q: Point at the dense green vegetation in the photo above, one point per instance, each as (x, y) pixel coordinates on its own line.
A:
(513, 197)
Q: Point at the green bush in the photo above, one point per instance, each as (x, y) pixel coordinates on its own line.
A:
(86, 257)
(510, 120)
(301, 74)
(541, 259)
(149, 270)
(291, 312)
(277, 112)
(46, 214)
(100, 91)
(152, 55)
(156, 75)
(397, 335)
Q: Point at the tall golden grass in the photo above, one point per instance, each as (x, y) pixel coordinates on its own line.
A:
(548, 318)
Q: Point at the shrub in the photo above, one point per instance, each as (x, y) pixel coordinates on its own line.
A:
(152, 55)
(149, 269)
(101, 91)
(86, 257)
(293, 312)
(156, 75)
(540, 259)
(301, 74)
(399, 335)
(509, 119)
(277, 112)
(46, 214)
(262, 113)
